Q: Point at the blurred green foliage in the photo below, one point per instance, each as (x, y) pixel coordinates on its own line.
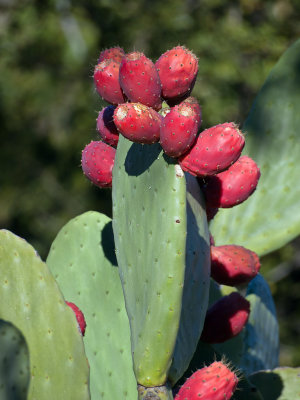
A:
(48, 105)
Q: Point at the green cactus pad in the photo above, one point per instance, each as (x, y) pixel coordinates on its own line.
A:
(282, 383)
(14, 363)
(262, 333)
(270, 218)
(196, 281)
(83, 262)
(31, 300)
(150, 228)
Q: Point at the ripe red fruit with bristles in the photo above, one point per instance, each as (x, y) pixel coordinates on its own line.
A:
(215, 382)
(97, 163)
(106, 79)
(225, 319)
(79, 316)
(177, 69)
(139, 80)
(180, 127)
(113, 53)
(215, 149)
(106, 126)
(232, 186)
(138, 122)
(233, 265)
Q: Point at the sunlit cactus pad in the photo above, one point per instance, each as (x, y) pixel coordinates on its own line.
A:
(31, 300)
(149, 222)
(83, 261)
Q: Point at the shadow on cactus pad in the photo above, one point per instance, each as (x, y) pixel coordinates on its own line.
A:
(137, 168)
(278, 384)
(107, 238)
(14, 363)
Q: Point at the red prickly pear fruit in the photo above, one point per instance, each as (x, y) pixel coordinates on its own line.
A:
(140, 81)
(114, 53)
(179, 128)
(138, 122)
(215, 149)
(79, 316)
(215, 382)
(106, 79)
(232, 186)
(225, 319)
(97, 163)
(177, 69)
(233, 265)
(106, 126)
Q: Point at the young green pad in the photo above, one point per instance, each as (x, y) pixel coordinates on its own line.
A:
(31, 300)
(281, 383)
(261, 341)
(196, 281)
(270, 218)
(14, 363)
(150, 228)
(83, 262)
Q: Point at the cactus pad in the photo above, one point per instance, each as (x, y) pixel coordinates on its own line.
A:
(270, 218)
(196, 281)
(150, 228)
(282, 383)
(82, 259)
(31, 300)
(262, 333)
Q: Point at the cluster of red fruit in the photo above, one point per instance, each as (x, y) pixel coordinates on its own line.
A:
(151, 103)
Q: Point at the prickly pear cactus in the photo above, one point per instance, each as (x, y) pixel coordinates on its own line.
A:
(31, 300)
(142, 279)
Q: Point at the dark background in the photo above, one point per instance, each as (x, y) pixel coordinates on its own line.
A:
(48, 105)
